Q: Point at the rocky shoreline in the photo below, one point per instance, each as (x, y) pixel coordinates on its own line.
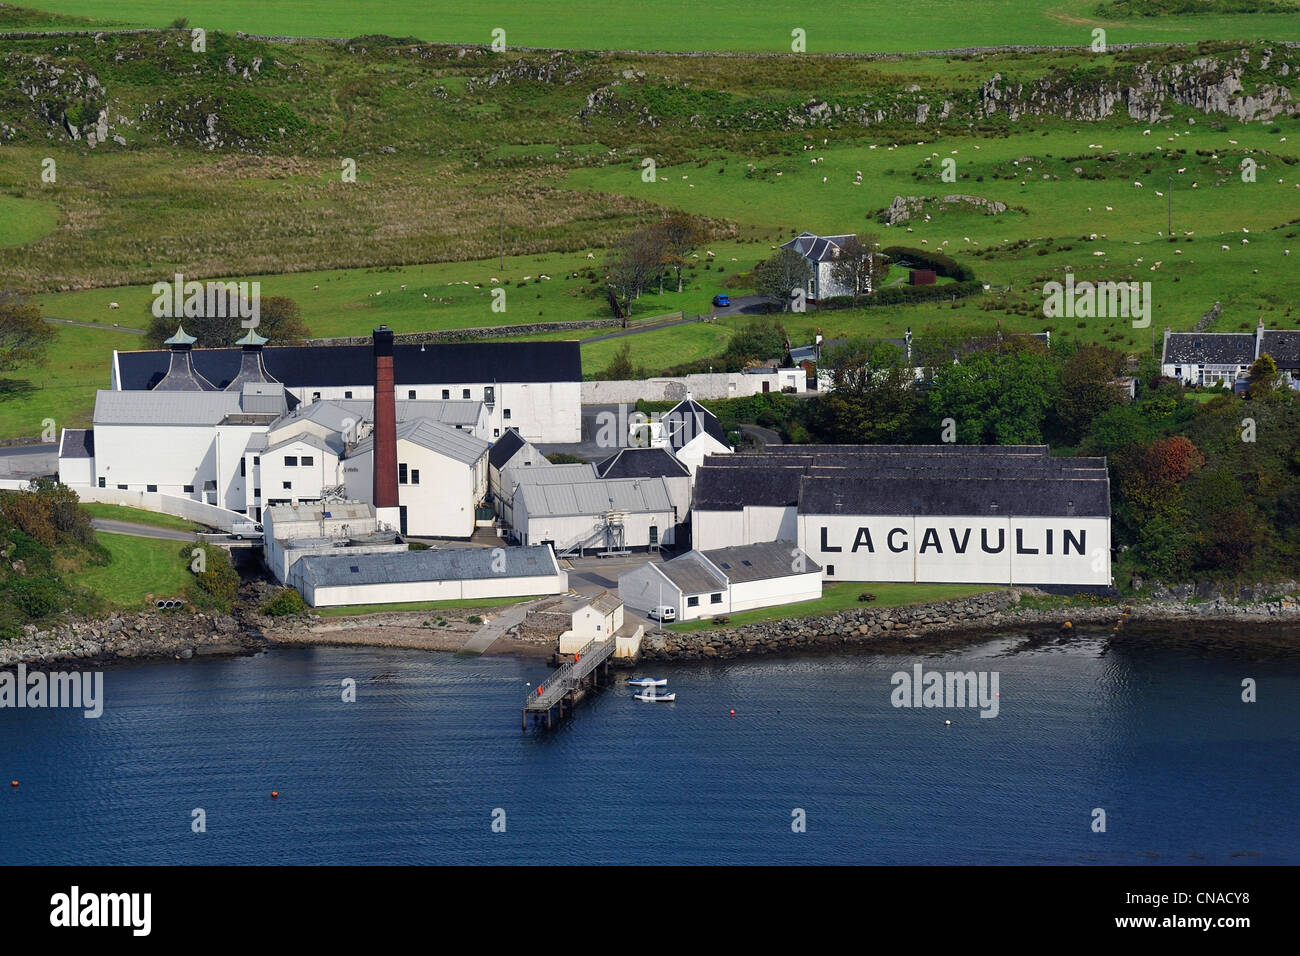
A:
(929, 624)
(183, 636)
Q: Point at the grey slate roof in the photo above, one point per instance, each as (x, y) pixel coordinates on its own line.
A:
(331, 366)
(692, 574)
(450, 412)
(455, 564)
(817, 248)
(1209, 348)
(687, 420)
(760, 562)
(450, 442)
(1284, 347)
(632, 495)
(77, 443)
(956, 497)
(730, 489)
(642, 463)
(504, 448)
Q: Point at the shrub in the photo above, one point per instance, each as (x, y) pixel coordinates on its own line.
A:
(866, 596)
(721, 619)
(285, 603)
(473, 619)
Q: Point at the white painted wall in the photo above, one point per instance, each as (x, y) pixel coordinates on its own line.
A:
(442, 504)
(180, 507)
(397, 592)
(700, 386)
(717, 529)
(645, 587)
(307, 481)
(764, 523)
(903, 551)
(776, 591)
(542, 411)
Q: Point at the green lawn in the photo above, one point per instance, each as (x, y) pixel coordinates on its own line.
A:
(136, 515)
(25, 220)
(843, 596)
(141, 567)
(64, 388)
(352, 610)
(838, 25)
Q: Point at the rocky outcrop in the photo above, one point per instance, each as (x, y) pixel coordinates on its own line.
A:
(904, 208)
(1208, 84)
(171, 634)
(1001, 609)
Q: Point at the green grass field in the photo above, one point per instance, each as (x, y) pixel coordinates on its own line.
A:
(140, 567)
(742, 25)
(353, 610)
(25, 220)
(64, 388)
(843, 596)
(137, 516)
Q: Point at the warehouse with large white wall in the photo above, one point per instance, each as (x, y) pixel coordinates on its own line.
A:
(944, 513)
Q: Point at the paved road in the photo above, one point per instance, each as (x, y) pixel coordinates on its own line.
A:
(114, 526)
(93, 325)
(28, 461)
(765, 435)
(494, 628)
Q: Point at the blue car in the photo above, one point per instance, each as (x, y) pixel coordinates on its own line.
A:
(721, 301)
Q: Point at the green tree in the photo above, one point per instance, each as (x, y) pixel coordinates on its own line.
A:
(997, 398)
(279, 320)
(1088, 389)
(858, 265)
(679, 235)
(780, 275)
(24, 335)
(872, 400)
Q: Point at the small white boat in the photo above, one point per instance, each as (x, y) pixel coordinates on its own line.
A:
(648, 681)
(664, 697)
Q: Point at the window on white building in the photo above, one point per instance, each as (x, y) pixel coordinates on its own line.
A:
(415, 476)
(401, 474)
(693, 602)
(307, 461)
(291, 461)
(446, 394)
(288, 486)
(151, 488)
(715, 598)
(410, 393)
(464, 393)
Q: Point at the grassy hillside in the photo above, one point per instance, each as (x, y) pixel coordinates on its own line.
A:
(740, 25)
(228, 164)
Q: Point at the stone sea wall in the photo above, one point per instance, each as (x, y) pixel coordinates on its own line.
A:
(985, 612)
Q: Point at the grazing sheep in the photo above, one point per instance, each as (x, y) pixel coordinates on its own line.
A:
(315, 287)
(114, 305)
(591, 255)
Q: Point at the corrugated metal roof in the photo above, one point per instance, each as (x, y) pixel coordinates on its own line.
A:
(452, 443)
(164, 408)
(458, 564)
(320, 511)
(595, 497)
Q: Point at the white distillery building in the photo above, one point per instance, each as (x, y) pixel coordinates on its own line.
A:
(442, 477)
(724, 580)
(1222, 358)
(510, 450)
(432, 575)
(291, 532)
(535, 387)
(614, 515)
(945, 513)
(688, 430)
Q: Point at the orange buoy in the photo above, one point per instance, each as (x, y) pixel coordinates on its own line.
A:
(733, 713)
(13, 783)
(539, 690)
(575, 658)
(275, 793)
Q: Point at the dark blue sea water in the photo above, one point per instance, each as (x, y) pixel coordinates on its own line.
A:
(412, 772)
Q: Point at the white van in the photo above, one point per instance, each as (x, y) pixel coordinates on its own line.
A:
(664, 613)
(246, 529)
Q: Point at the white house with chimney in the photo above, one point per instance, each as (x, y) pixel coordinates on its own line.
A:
(821, 253)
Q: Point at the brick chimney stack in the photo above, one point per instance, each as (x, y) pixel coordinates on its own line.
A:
(384, 495)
